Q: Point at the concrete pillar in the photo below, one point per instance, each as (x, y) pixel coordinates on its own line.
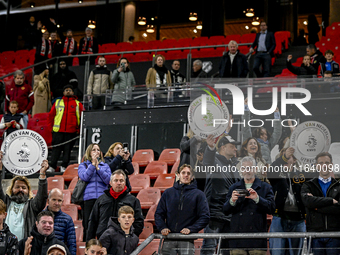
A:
(334, 11)
(129, 20)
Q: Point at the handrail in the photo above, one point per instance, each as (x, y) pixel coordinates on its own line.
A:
(236, 236)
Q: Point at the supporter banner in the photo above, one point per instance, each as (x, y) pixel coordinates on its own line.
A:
(23, 152)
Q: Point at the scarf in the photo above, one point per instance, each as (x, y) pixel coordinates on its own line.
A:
(87, 49)
(71, 48)
(115, 194)
(43, 48)
(161, 72)
(261, 141)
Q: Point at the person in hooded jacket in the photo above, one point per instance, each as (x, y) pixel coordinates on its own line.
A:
(63, 77)
(97, 174)
(182, 209)
(42, 236)
(119, 238)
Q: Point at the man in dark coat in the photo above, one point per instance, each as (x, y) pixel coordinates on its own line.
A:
(198, 72)
(42, 236)
(316, 56)
(321, 198)
(108, 204)
(265, 45)
(182, 209)
(233, 63)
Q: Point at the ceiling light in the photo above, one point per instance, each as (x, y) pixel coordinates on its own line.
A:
(142, 21)
(80, 1)
(193, 16)
(32, 4)
(199, 25)
(145, 35)
(305, 22)
(246, 27)
(256, 21)
(249, 12)
(43, 29)
(92, 24)
(150, 29)
(195, 31)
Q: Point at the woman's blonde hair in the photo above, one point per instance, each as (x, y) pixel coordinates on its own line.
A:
(160, 55)
(87, 155)
(23, 179)
(190, 133)
(109, 153)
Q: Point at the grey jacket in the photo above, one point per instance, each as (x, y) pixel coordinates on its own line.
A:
(121, 81)
(32, 207)
(266, 148)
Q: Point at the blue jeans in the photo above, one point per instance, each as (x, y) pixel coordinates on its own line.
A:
(323, 246)
(277, 245)
(265, 60)
(25, 119)
(209, 245)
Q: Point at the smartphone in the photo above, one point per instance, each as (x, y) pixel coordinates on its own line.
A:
(125, 147)
(243, 192)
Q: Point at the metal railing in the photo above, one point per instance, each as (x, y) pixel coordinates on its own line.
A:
(306, 235)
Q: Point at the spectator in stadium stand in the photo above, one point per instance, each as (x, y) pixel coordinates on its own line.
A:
(41, 237)
(182, 209)
(333, 85)
(131, 39)
(158, 75)
(22, 93)
(316, 56)
(117, 158)
(176, 77)
(22, 207)
(119, 238)
(63, 77)
(100, 80)
(306, 70)
(266, 140)
(330, 64)
(94, 246)
(217, 187)
(64, 121)
(43, 51)
(96, 173)
(63, 224)
(56, 249)
(321, 199)
(108, 204)
(249, 211)
(313, 29)
(192, 149)
(42, 93)
(56, 45)
(88, 45)
(197, 70)
(123, 81)
(9, 242)
(290, 212)
(12, 121)
(251, 148)
(233, 63)
(265, 46)
(30, 33)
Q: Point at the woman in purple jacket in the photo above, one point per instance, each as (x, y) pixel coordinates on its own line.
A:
(97, 175)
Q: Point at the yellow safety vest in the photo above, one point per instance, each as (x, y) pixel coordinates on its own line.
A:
(60, 107)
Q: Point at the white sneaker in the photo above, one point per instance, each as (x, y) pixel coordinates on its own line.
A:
(62, 169)
(50, 170)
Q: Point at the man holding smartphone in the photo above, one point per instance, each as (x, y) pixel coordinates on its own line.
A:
(249, 201)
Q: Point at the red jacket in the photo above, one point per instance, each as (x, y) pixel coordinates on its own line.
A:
(23, 94)
(69, 120)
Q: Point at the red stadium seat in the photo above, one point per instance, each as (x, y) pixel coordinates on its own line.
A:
(45, 132)
(151, 248)
(135, 167)
(78, 225)
(139, 182)
(164, 181)
(141, 45)
(73, 183)
(143, 157)
(175, 167)
(67, 197)
(155, 168)
(170, 156)
(71, 210)
(228, 38)
(81, 248)
(55, 182)
(147, 231)
(150, 216)
(184, 42)
(149, 197)
(71, 172)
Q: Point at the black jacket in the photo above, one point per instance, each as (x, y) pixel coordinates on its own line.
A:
(249, 217)
(302, 70)
(199, 74)
(317, 58)
(218, 183)
(106, 206)
(177, 78)
(40, 243)
(8, 242)
(280, 184)
(334, 65)
(239, 68)
(322, 214)
(116, 241)
(62, 78)
(182, 206)
(270, 42)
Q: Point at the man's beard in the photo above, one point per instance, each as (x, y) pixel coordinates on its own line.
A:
(19, 198)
